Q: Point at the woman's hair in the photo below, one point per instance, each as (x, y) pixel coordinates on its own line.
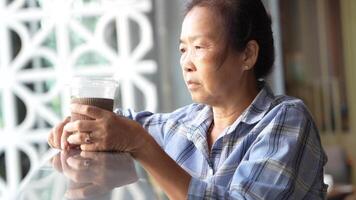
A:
(245, 20)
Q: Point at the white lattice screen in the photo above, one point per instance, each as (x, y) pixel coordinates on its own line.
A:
(43, 44)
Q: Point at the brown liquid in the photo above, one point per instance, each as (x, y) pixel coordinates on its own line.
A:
(106, 104)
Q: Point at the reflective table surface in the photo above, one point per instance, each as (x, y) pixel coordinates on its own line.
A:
(87, 175)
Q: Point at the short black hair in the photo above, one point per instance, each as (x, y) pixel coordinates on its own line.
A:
(245, 20)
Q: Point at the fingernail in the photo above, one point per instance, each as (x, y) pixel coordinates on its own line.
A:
(87, 140)
(69, 139)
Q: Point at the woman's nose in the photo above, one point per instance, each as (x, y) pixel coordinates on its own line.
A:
(186, 63)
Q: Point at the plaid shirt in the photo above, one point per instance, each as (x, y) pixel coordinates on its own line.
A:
(272, 151)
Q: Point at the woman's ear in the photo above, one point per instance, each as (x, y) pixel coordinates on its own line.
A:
(250, 54)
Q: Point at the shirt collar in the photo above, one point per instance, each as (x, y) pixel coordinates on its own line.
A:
(201, 121)
(259, 106)
(197, 128)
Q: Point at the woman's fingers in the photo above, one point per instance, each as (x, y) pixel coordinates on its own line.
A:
(64, 143)
(57, 134)
(54, 138)
(77, 127)
(50, 139)
(80, 138)
(80, 126)
(56, 162)
(90, 111)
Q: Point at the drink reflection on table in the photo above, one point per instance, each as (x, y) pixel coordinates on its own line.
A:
(94, 174)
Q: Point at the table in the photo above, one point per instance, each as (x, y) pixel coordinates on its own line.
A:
(76, 174)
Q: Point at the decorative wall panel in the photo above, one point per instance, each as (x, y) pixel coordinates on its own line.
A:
(43, 44)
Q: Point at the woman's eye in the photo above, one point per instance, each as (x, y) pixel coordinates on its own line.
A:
(182, 50)
(197, 47)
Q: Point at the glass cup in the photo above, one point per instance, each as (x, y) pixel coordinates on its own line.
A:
(94, 91)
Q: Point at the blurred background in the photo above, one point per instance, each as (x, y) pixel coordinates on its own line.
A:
(44, 43)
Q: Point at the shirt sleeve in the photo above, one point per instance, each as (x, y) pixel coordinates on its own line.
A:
(285, 161)
(153, 123)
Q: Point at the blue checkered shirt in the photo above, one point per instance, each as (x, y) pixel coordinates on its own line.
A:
(272, 151)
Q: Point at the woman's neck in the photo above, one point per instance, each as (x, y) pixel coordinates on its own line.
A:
(226, 112)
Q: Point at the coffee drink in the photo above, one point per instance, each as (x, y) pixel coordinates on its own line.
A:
(103, 103)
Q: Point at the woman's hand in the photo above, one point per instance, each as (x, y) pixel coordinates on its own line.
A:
(106, 132)
(55, 139)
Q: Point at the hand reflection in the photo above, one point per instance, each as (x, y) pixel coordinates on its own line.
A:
(93, 174)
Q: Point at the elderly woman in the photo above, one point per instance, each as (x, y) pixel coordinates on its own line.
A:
(238, 141)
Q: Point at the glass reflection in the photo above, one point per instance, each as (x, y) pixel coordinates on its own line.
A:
(93, 175)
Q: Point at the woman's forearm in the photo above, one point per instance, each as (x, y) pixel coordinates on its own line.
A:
(173, 179)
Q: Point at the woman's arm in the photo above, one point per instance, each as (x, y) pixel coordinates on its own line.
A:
(173, 179)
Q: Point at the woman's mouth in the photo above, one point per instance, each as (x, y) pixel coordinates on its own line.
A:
(193, 85)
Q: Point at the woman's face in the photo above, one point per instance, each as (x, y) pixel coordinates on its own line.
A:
(211, 69)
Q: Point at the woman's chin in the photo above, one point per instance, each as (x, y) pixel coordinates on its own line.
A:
(198, 98)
